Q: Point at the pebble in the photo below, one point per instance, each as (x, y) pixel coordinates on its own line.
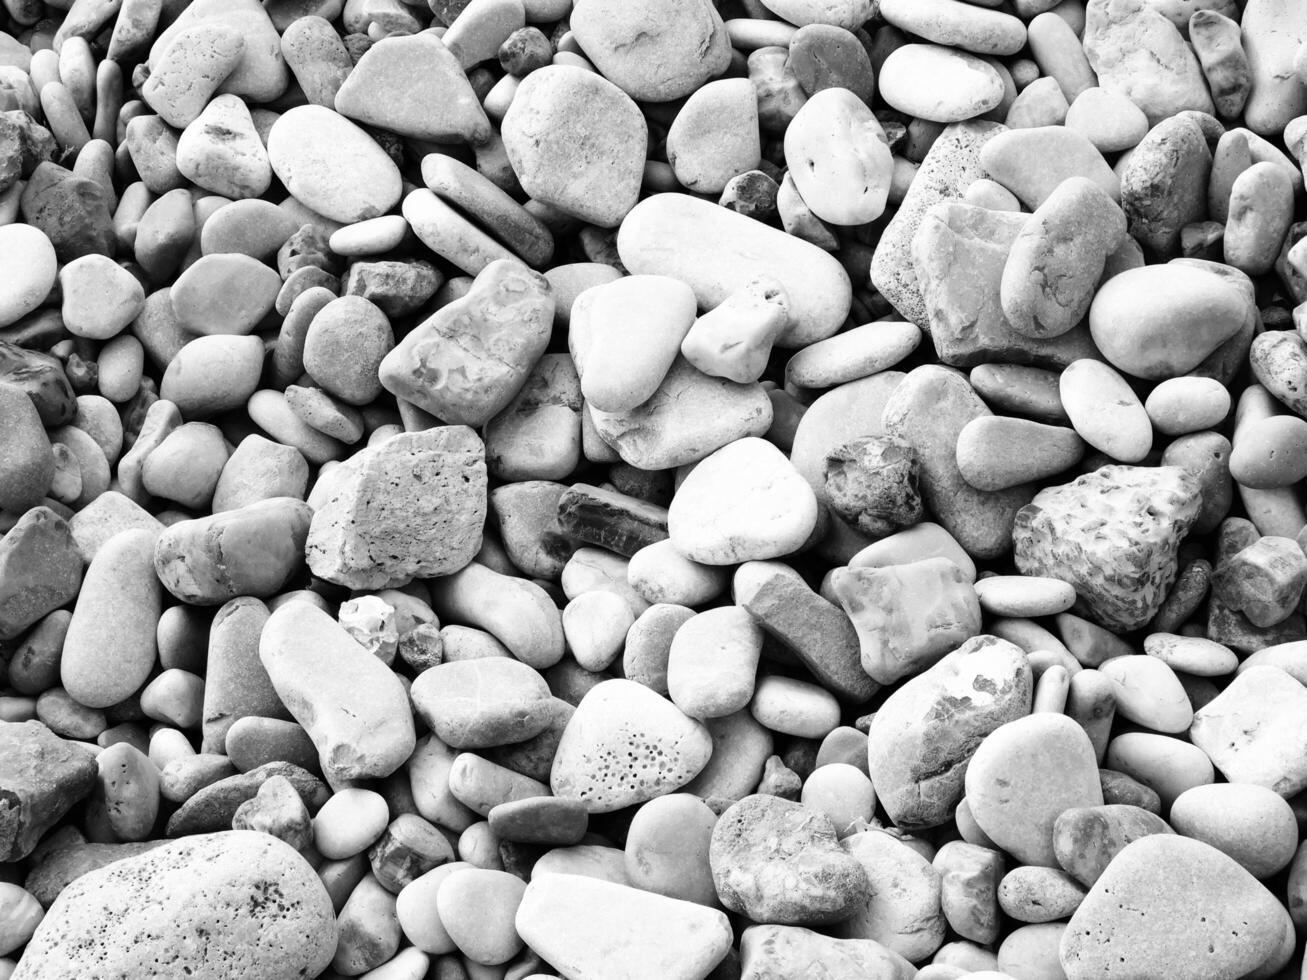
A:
(1267, 754)
(222, 152)
(939, 84)
(1024, 775)
(482, 703)
(29, 257)
(1008, 159)
(29, 465)
(997, 452)
(912, 922)
(1251, 824)
(838, 158)
(1108, 119)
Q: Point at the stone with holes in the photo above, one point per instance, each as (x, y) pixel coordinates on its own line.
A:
(625, 745)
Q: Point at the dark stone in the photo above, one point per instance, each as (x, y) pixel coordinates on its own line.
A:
(547, 820)
(408, 849)
(1086, 838)
(41, 777)
(74, 212)
(535, 756)
(42, 377)
(752, 194)
(1120, 788)
(306, 247)
(823, 56)
(61, 867)
(212, 808)
(397, 288)
(610, 520)
(872, 484)
(40, 570)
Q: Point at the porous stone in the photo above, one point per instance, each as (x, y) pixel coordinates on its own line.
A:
(1114, 534)
(240, 898)
(412, 506)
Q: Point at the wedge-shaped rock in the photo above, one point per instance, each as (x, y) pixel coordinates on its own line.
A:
(1114, 534)
(41, 777)
(413, 85)
(413, 506)
(784, 952)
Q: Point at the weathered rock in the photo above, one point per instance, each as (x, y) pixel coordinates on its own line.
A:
(41, 777)
(1252, 730)
(240, 899)
(411, 506)
(1087, 838)
(872, 483)
(902, 907)
(779, 862)
(922, 738)
(212, 807)
(1114, 534)
(40, 570)
(777, 952)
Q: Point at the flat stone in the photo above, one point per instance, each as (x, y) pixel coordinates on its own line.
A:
(576, 141)
(775, 952)
(1250, 730)
(40, 570)
(1117, 531)
(1024, 775)
(718, 252)
(187, 905)
(618, 718)
(907, 616)
(414, 86)
(775, 861)
(690, 416)
(465, 363)
(924, 735)
(41, 777)
(1174, 906)
(482, 703)
(588, 928)
(331, 165)
(654, 52)
(356, 711)
(1136, 51)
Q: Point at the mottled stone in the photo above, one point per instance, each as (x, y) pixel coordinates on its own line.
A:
(1087, 838)
(41, 777)
(779, 862)
(40, 570)
(1114, 534)
(411, 506)
(779, 952)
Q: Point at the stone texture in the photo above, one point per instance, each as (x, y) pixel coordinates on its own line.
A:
(625, 745)
(779, 862)
(355, 710)
(1114, 534)
(240, 902)
(475, 704)
(411, 506)
(777, 952)
(902, 907)
(872, 483)
(1253, 731)
(40, 570)
(1087, 838)
(465, 363)
(1171, 906)
(923, 736)
(41, 777)
(212, 807)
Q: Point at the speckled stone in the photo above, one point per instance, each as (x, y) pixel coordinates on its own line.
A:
(1114, 534)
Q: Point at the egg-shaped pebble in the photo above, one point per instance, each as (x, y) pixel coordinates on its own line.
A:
(20, 914)
(211, 375)
(1187, 404)
(1194, 655)
(794, 707)
(939, 84)
(715, 136)
(1148, 693)
(837, 153)
(349, 822)
(843, 793)
(1270, 452)
(1105, 411)
(28, 259)
(1024, 595)
(1252, 824)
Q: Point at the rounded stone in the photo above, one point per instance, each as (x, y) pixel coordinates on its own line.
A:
(211, 375)
(746, 501)
(1161, 321)
(1190, 404)
(713, 662)
(331, 165)
(1270, 452)
(477, 907)
(28, 259)
(185, 467)
(481, 703)
(837, 153)
(1024, 775)
(1148, 693)
(715, 136)
(346, 343)
(843, 792)
(259, 906)
(1105, 411)
(939, 84)
(100, 297)
(1252, 824)
(667, 848)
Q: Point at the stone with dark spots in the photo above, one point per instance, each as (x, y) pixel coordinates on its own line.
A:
(61, 867)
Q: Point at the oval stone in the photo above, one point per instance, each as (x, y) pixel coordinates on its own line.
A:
(939, 84)
(838, 156)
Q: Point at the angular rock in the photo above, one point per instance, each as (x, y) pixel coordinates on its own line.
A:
(779, 862)
(74, 212)
(872, 483)
(1253, 731)
(212, 807)
(901, 907)
(466, 362)
(1114, 534)
(240, 899)
(40, 570)
(780, 952)
(41, 777)
(922, 738)
(475, 704)
(411, 506)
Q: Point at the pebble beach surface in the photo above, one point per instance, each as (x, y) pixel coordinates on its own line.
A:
(653, 489)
